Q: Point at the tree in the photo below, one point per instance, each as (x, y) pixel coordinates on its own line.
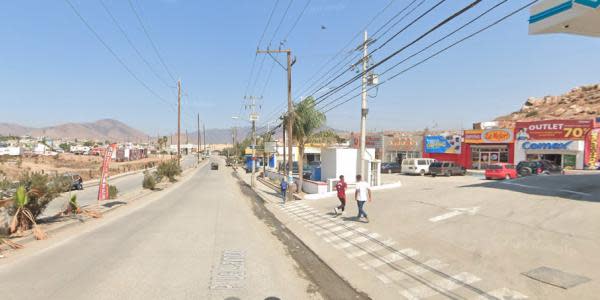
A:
(307, 119)
(88, 143)
(162, 142)
(64, 146)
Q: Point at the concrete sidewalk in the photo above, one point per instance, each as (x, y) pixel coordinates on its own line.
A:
(418, 246)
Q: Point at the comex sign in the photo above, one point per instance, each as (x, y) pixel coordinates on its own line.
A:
(546, 146)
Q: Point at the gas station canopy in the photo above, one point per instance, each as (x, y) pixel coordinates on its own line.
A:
(560, 16)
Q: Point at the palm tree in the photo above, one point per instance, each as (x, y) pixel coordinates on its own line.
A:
(307, 119)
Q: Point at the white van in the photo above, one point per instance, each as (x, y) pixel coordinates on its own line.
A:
(416, 166)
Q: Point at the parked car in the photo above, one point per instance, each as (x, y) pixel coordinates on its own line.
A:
(500, 171)
(416, 166)
(446, 168)
(538, 167)
(214, 166)
(390, 167)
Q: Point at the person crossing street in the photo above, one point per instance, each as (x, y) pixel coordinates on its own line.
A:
(362, 195)
(341, 187)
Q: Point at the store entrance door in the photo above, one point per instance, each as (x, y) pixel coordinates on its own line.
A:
(487, 158)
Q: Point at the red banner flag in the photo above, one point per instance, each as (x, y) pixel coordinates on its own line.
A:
(103, 188)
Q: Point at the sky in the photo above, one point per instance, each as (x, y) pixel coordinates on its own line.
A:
(54, 70)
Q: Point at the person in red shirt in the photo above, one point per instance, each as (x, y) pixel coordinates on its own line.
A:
(340, 187)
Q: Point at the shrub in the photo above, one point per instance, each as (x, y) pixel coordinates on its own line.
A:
(40, 191)
(112, 192)
(532, 114)
(149, 181)
(169, 169)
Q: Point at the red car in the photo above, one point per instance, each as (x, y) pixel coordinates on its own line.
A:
(500, 171)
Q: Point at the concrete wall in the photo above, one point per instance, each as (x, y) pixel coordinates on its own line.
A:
(308, 186)
(338, 161)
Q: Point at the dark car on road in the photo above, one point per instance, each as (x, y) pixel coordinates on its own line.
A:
(391, 167)
(446, 168)
(538, 167)
(214, 166)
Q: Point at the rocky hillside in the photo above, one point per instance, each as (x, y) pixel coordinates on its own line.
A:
(101, 130)
(579, 103)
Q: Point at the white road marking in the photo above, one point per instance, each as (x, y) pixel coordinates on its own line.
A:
(443, 285)
(383, 279)
(446, 216)
(392, 257)
(338, 237)
(455, 212)
(577, 193)
(503, 294)
(342, 245)
(417, 270)
(362, 239)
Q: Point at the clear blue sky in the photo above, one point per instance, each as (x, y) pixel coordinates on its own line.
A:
(53, 70)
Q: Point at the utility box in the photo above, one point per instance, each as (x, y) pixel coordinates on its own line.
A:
(372, 79)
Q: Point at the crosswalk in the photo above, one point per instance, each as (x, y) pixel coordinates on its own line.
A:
(405, 269)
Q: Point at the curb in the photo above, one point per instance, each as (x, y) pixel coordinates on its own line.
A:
(63, 225)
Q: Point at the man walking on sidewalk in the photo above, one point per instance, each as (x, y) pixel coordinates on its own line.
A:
(362, 194)
(340, 187)
(283, 187)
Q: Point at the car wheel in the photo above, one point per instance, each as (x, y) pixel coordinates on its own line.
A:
(422, 173)
(507, 177)
(433, 175)
(488, 178)
(448, 174)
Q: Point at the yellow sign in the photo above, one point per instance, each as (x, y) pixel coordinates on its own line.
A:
(488, 136)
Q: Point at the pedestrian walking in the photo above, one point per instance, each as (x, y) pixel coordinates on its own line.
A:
(284, 187)
(362, 195)
(340, 187)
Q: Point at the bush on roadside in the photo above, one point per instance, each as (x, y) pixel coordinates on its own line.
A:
(112, 192)
(40, 190)
(169, 169)
(149, 181)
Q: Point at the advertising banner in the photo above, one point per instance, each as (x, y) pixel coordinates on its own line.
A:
(103, 187)
(553, 130)
(489, 136)
(443, 144)
(594, 162)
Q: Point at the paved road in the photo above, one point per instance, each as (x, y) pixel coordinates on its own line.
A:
(126, 184)
(460, 237)
(198, 240)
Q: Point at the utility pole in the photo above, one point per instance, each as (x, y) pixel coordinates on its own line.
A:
(363, 108)
(178, 121)
(290, 112)
(198, 145)
(204, 133)
(253, 118)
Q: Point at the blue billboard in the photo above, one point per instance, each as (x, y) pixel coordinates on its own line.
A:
(443, 144)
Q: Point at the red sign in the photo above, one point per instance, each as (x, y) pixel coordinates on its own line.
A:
(103, 188)
(553, 130)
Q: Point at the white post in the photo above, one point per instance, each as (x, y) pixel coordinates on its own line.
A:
(363, 110)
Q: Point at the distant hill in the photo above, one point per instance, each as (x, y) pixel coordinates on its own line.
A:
(107, 129)
(579, 103)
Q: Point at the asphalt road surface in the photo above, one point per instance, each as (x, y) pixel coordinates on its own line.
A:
(197, 240)
(89, 196)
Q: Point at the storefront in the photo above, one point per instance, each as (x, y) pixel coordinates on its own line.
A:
(392, 146)
(489, 146)
(565, 142)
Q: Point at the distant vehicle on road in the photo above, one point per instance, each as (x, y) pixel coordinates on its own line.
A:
(214, 166)
(500, 171)
(416, 166)
(76, 181)
(538, 167)
(446, 168)
(390, 167)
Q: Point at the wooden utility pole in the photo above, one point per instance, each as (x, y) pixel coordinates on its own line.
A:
(290, 112)
(204, 133)
(178, 121)
(198, 149)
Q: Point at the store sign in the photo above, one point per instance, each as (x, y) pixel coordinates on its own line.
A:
(443, 144)
(488, 136)
(594, 147)
(546, 146)
(553, 130)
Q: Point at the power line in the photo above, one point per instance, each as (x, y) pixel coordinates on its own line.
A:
(116, 56)
(297, 20)
(130, 42)
(280, 22)
(434, 28)
(160, 58)
(443, 50)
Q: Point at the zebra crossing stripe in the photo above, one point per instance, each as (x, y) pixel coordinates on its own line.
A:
(502, 294)
(392, 257)
(362, 239)
(339, 237)
(416, 270)
(442, 285)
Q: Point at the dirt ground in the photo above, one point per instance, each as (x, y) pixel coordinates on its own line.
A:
(86, 166)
